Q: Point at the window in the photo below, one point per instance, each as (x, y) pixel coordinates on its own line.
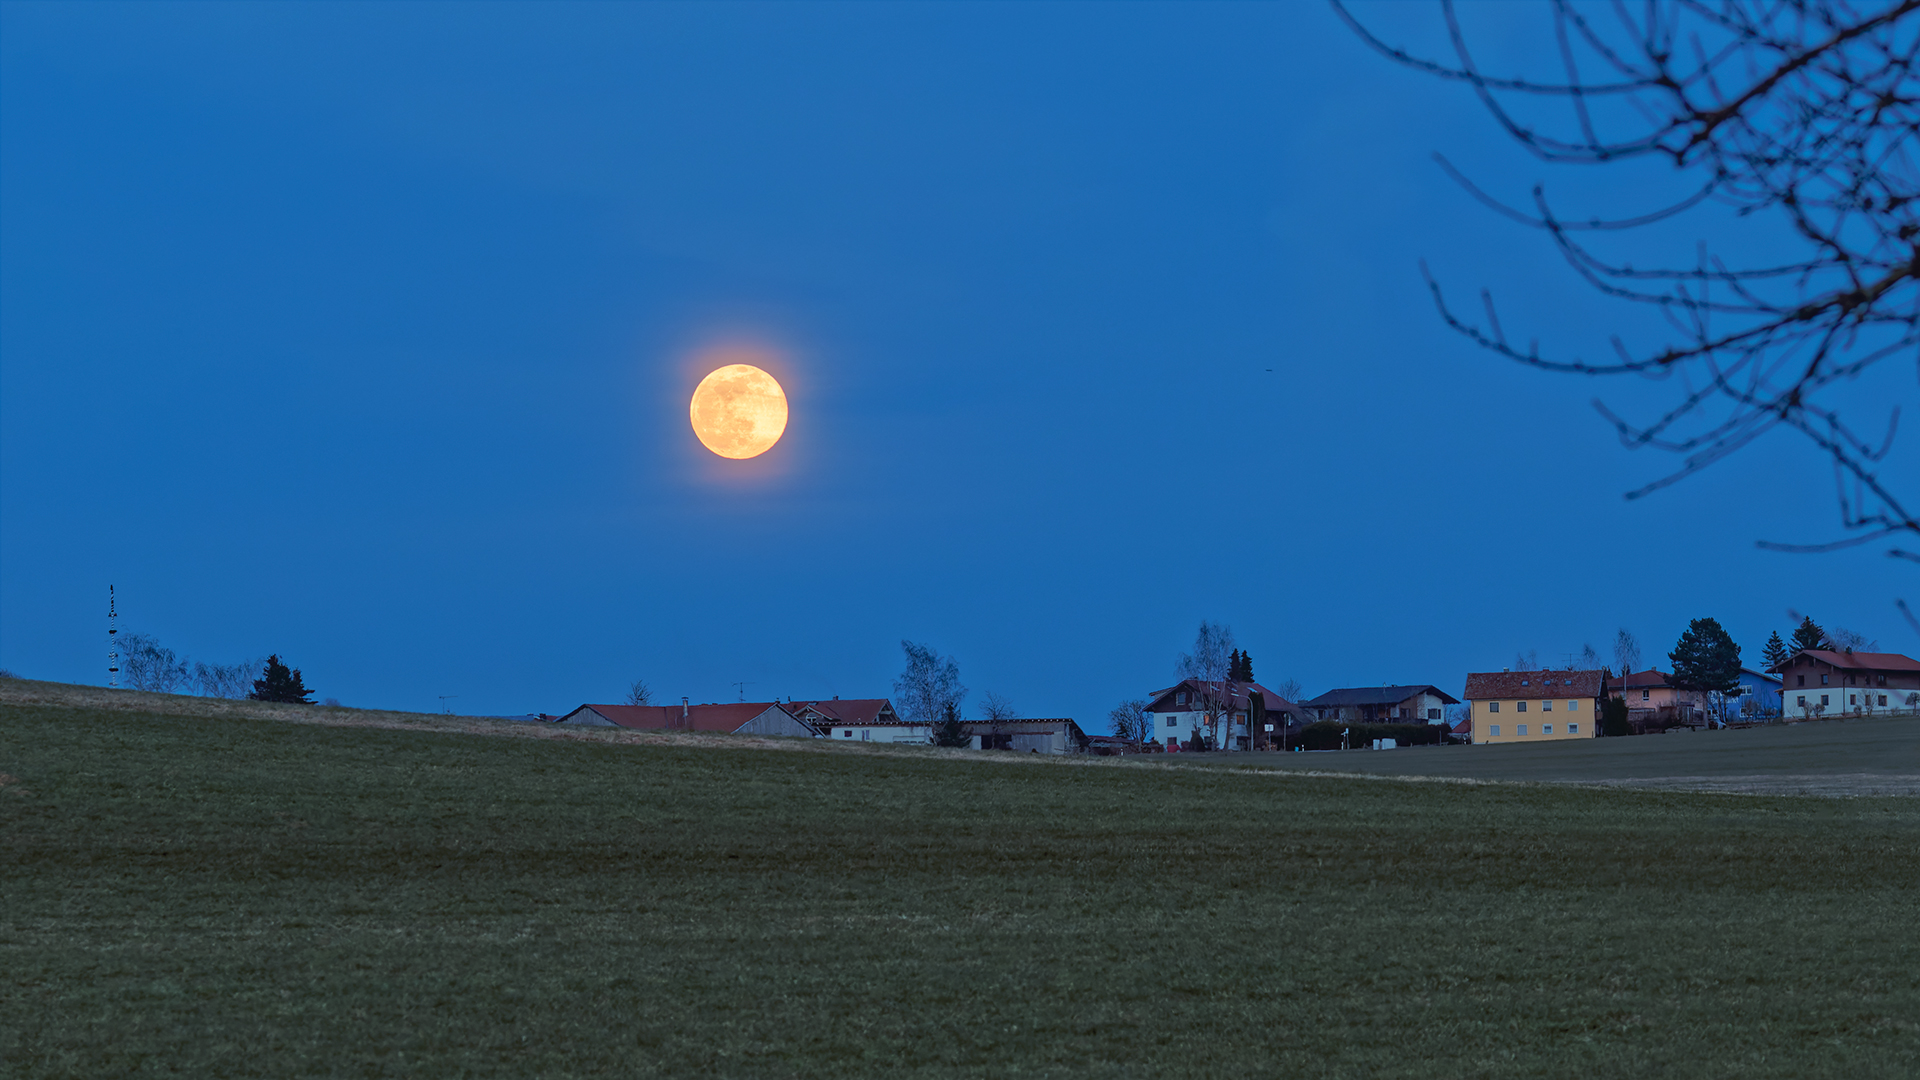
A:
(1572, 705)
(1433, 714)
(866, 736)
(1573, 729)
(1519, 706)
(1823, 699)
(1523, 682)
(1802, 701)
(1494, 732)
(1823, 680)
(1546, 706)
(1882, 681)
(1853, 699)
(1493, 706)
(1171, 722)
(1546, 729)
(1519, 729)
(1883, 699)
(1180, 698)
(846, 734)
(1802, 682)
(1645, 694)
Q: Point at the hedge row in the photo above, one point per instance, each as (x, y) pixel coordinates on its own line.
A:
(1325, 735)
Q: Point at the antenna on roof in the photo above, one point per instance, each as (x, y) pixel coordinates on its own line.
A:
(741, 689)
(444, 707)
(113, 644)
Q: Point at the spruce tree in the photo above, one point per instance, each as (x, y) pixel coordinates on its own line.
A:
(1808, 635)
(948, 731)
(1246, 666)
(1776, 651)
(277, 683)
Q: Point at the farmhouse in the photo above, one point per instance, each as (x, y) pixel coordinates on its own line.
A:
(1821, 682)
(1424, 704)
(733, 718)
(1250, 715)
(861, 719)
(1534, 706)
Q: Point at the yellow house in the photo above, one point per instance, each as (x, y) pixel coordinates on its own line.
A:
(1534, 706)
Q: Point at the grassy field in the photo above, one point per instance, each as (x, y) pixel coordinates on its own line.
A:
(1854, 757)
(227, 896)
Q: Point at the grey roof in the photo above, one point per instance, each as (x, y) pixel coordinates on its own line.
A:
(1378, 695)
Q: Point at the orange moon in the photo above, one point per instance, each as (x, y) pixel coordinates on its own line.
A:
(739, 411)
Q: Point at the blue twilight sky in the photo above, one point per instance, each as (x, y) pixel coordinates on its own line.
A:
(364, 334)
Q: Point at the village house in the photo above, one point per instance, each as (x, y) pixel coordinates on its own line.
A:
(1423, 704)
(732, 718)
(1534, 706)
(1655, 704)
(1250, 715)
(1821, 682)
(1758, 694)
(860, 719)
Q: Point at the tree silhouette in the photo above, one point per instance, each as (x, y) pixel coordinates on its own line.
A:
(277, 683)
(1798, 115)
(949, 732)
(1776, 653)
(1706, 659)
(1808, 635)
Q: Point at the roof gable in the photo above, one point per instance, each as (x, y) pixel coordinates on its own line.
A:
(1238, 695)
(1857, 661)
(861, 712)
(1378, 695)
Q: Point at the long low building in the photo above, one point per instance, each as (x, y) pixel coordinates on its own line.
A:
(1050, 735)
(732, 718)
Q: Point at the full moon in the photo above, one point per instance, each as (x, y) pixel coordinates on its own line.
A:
(739, 411)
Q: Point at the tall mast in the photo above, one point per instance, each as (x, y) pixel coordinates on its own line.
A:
(113, 644)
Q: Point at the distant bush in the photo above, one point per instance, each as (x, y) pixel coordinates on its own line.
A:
(1613, 717)
(1325, 735)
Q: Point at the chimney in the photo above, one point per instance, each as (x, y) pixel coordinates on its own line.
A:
(1503, 671)
(683, 713)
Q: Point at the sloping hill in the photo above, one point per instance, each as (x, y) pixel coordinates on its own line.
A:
(233, 896)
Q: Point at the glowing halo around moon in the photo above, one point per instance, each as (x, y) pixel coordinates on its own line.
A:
(738, 411)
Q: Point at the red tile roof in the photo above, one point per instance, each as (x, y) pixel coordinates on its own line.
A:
(1860, 661)
(1501, 685)
(863, 712)
(1650, 678)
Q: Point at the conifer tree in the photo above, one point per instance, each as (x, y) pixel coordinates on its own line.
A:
(277, 683)
(1706, 659)
(1776, 651)
(1246, 666)
(948, 731)
(1808, 635)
